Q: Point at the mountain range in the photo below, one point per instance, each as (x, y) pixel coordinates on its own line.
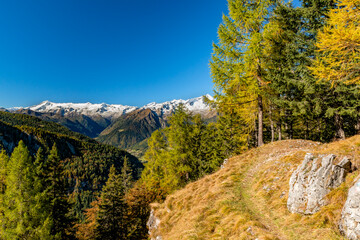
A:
(109, 111)
(122, 126)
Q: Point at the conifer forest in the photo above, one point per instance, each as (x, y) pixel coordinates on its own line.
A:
(279, 72)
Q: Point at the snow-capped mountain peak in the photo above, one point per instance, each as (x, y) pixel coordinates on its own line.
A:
(88, 109)
(196, 105)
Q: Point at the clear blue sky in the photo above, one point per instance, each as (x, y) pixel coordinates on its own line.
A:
(115, 51)
(121, 51)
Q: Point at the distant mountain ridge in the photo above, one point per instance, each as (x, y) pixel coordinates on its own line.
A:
(122, 126)
(196, 105)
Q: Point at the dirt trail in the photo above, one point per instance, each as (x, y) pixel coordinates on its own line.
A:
(255, 203)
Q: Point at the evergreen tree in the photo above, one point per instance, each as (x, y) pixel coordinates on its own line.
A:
(339, 106)
(183, 152)
(3, 162)
(126, 175)
(111, 219)
(25, 215)
(178, 136)
(57, 195)
(154, 174)
(303, 106)
(4, 159)
(42, 209)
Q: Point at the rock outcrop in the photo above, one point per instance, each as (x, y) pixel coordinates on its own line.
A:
(350, 217)
(313, 179)
(153, 224)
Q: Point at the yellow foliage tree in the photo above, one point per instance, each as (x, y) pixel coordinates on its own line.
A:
(339, 45)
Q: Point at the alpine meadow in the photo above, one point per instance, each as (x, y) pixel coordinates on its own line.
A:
(272, 153)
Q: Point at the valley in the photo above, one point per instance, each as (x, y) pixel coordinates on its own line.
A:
(122, 126)
(272, 154)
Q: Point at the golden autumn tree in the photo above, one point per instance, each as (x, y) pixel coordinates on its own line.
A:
(339, 45)
(86, 230)
(237, 65)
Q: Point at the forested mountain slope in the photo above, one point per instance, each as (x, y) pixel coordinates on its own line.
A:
(247, 198)
(122, 126)
(131, 128)
(86, 162)
(90, 126)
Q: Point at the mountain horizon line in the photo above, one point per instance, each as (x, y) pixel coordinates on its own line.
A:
(104, 103)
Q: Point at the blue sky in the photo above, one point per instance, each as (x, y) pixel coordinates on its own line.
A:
(121, 51)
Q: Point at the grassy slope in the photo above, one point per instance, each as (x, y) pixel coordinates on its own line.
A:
(247, 199)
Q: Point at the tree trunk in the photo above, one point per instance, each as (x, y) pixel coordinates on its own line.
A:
(279, 131)
(271, 126)
(255, 133)
(357, 127)
(307, 130)
(339, 134)
(260, 122)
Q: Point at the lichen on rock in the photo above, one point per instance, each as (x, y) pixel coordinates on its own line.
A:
(312, 180)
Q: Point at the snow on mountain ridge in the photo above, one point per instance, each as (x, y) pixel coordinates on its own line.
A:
(194, 105)
(89, 109)
(116, 110)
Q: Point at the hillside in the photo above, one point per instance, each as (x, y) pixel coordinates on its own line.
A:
(86, 161)
(90, 126)
(247, 199)
(131, 128)
(122, 126)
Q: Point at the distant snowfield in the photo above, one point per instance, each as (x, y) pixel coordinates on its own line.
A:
(116, 110)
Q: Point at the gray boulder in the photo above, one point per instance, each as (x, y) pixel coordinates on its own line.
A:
(153, 224)
(312, 180)
(350, 217)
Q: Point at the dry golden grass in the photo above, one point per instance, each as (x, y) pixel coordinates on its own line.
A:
(247, 199)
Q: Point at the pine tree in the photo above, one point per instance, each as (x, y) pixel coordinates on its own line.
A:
(111, 219)
(42, 209)
(291, 92)
(57, 195)
(126, 175)
(338, 106)
(305, 107)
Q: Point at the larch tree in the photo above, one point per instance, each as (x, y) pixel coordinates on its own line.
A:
(25, 214)
(338, 45)
(237, 63)
(332, 50)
